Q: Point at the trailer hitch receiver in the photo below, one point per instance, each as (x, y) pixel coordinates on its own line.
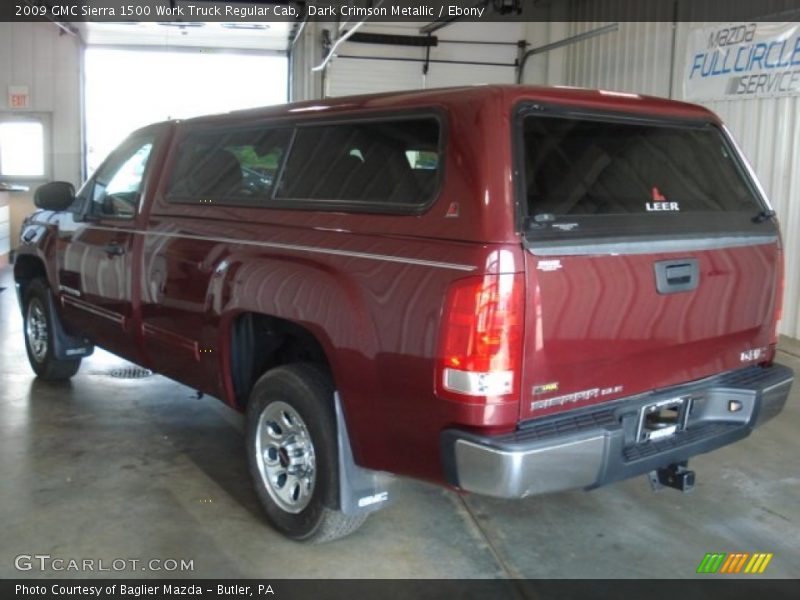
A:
(677, 476)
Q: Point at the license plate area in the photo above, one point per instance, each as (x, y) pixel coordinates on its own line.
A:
(662, 419)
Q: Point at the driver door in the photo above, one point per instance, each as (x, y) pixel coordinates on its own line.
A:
(97, 260)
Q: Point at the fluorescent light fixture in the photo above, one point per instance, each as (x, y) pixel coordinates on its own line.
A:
(245, 26)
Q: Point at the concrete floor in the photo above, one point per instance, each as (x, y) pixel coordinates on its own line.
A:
(107, 468)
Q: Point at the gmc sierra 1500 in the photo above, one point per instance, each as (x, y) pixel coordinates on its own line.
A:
(507, 290)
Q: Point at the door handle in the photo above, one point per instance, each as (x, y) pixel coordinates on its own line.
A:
(114, 249)
(676, 275)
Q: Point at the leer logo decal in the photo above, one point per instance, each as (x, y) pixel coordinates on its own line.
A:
(660, 204)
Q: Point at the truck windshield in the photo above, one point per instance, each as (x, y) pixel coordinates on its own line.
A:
(587, 173)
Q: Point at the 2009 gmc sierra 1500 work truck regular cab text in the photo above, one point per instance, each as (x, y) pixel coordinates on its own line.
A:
(507, 290)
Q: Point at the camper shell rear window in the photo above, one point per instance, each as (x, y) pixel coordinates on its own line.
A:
(600, 174)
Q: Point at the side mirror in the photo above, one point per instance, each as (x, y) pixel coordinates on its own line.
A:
(56, 195)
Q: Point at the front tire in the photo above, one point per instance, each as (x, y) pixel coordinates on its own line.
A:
(39, 331)
(293, 454)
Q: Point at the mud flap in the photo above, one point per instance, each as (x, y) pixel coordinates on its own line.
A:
(65, 346)
(361, 490)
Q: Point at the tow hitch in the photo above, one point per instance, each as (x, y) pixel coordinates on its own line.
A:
(676, 476)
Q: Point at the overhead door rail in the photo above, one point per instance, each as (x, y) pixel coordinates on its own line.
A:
(427, 40)
(574, 39)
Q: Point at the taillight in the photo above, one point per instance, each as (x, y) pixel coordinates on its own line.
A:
(480, 343)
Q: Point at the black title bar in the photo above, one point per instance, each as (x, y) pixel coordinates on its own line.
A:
(426, 12)
(711, 586)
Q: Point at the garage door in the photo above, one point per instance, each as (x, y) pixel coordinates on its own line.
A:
(348, 76)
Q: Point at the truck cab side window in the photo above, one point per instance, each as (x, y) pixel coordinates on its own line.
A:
(392, 162)
(228, 166)
(117, 186)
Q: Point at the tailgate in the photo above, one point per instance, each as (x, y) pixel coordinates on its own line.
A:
(604, 330)
(653, 257)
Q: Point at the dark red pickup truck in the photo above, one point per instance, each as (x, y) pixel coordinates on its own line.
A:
(508, 290)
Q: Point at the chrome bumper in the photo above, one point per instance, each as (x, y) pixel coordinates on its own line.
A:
(590, 447)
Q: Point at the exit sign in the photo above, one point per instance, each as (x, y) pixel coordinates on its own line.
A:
(18, 96)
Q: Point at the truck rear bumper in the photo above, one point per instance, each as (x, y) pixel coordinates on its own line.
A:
(597, 445)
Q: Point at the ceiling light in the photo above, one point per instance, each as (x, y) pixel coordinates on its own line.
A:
(249, 26)
(181, 24)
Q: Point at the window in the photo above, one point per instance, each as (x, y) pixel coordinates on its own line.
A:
(229, 167)
(116, 187)
(22, 149)
(608, 176)
(585, 167)
(390, 163)
(422, 159)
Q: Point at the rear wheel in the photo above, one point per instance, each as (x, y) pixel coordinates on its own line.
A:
(39, 333)
(293, 454)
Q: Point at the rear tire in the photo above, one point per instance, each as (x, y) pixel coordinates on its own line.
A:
(293, 454)
(39, 330)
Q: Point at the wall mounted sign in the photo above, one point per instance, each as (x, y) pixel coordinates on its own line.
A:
(18, 96)
(742, 60)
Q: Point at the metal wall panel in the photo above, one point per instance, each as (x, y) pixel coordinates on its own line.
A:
(636, 58)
